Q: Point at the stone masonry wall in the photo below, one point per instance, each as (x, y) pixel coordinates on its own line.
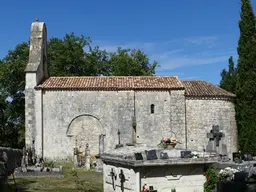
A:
(177, 105)
(184, 178)
(169, 114)
(114, 110)
(30, 114)
(202, 114)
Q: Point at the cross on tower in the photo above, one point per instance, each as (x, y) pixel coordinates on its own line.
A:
(215, 135)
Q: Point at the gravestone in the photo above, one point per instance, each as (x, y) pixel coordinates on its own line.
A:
(101, 144)
(87, 157)
(224, 153)
(33, 153)
(75, 157)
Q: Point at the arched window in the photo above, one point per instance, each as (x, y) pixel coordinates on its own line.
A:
(152, 108)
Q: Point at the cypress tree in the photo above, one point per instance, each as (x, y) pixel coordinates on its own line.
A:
(246, 80)
(228, 78)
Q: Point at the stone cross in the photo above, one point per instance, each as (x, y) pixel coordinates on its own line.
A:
(215, 135)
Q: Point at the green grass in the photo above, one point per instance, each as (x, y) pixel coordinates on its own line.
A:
(73, 181)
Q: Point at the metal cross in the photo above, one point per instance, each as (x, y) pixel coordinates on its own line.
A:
(119, 140)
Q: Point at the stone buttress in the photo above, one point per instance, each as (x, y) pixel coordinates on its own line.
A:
(36, 72)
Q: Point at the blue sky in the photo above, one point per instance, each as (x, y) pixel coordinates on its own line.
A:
(189, 39)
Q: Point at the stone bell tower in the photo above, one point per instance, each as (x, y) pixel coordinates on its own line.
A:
(36, 71)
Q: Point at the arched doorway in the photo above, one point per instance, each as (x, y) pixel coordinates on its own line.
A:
(85, 129)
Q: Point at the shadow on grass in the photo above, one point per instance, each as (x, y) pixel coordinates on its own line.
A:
(20, 186)
(73, 181)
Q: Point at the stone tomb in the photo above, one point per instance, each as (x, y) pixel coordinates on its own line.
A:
(129, 168)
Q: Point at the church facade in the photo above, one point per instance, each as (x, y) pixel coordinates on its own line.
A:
(66, 112)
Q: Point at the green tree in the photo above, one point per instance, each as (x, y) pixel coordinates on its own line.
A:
(12, 83)
(66, 57)
(246, 85)
(127, 62)
(228, 77)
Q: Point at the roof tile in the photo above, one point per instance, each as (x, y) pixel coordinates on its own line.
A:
(112, 83)
(195, 88)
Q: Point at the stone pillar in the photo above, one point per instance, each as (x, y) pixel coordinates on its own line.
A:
(87, 158)
(75, 157)
(137, 180)
(101, 144)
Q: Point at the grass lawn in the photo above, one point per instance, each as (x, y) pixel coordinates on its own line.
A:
(78, 180)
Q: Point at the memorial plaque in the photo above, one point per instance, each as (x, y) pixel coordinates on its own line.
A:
(138, 156)
(164, 155)
(151, 155)
(186, 154)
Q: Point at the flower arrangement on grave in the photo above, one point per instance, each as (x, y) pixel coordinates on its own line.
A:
(211, 177)
(227, 174)
(145, 188)
(165, 142)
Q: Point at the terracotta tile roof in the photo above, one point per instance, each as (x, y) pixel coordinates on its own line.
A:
(195, 88)
(112, 83)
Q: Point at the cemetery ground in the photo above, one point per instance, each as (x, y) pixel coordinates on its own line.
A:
(72, 181)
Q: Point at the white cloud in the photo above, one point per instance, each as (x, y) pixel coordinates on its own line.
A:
(202, 40)
(177, 62)
(176, 53)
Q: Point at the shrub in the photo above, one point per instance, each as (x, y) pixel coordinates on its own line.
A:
(211, 179)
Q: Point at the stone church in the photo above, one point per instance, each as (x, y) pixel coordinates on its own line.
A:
(64, 112)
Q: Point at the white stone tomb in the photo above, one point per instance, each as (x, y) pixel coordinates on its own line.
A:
(123, 173)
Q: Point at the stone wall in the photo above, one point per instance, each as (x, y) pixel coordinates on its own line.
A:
(202, 114)
(177, 114)
(152, 126)
(114, 183)
(104, 112)
(183, 178)
(91, 113)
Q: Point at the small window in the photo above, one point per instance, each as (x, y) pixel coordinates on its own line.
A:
(152, 108)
